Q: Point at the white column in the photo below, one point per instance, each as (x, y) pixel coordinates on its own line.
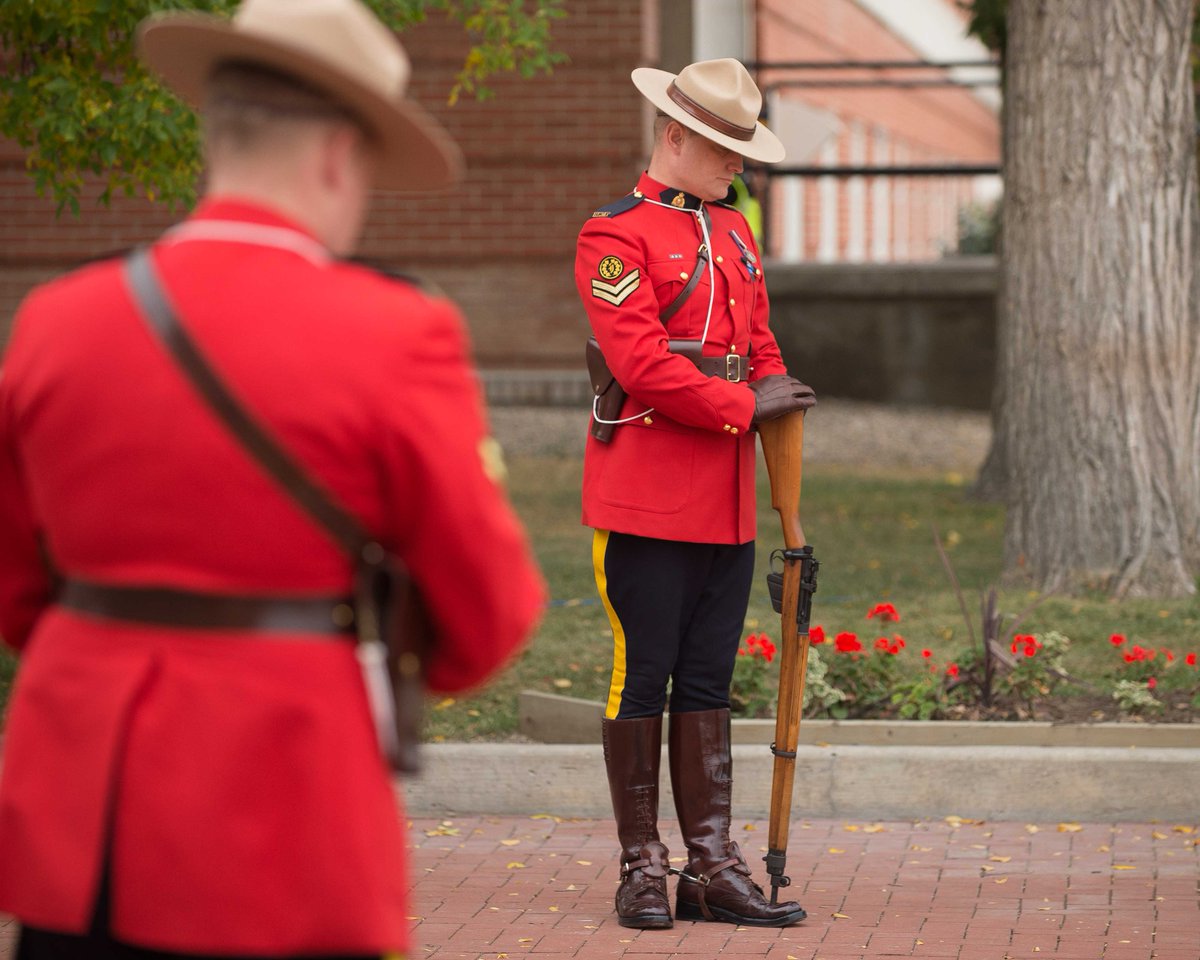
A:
(827, 241)
(881, 223)
(792, 247)
(856, 191)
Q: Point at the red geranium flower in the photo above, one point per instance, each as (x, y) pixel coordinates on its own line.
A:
(927, 653)
(881, 643)
(884, 611)
(816, 634)
(1190, 659)
(952, 670)
(767, 647)
(898, 644)
(1151, 683)
(847, 643)
(1117, 639)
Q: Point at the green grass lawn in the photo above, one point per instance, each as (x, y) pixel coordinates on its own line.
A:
(873, 535)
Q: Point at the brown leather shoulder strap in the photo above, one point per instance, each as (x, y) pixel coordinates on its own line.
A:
(702, 256)
(150, 296)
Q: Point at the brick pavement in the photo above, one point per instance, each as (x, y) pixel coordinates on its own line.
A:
(540, 887)
(503, 888)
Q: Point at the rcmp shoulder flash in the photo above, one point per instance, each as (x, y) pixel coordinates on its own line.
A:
(610, 268)
(616, 293)
(491, 456)
(618, 207)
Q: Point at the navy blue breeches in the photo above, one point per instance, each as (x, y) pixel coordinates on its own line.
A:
(677, 611)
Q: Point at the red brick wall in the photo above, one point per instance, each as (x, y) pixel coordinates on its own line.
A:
(542, 154)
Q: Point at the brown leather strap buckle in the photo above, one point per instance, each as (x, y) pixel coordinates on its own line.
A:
(733, 367)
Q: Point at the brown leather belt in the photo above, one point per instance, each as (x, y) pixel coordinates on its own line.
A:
(732, 367)
(166, 607)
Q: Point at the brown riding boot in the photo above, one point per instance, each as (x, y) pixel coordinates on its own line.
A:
(632, 749)
(717, 884)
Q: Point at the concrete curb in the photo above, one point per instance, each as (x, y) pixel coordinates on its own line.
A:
(853, 782)
(553, 718)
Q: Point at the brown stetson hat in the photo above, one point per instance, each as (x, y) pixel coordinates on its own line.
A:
(336, 46)
(716, 98)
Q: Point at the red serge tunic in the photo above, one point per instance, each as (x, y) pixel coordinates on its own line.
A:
(233, 777)
(683, 467)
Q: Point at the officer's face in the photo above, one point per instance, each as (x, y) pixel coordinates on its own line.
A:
(708, 167)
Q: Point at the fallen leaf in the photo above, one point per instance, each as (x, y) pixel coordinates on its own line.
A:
(1103, 848)
(750, 827)
(852, 828)
(584, 863)
(1158, 835)
(922, 849)
(562, 683)
(442, 830)
(1002, 880)
(839, 916)
(875, 828)
(515, 865)
(1032, 828)
(1069, 828)
(836, 850)
(509, 843)
(524, 939)
(1184, 829)
(553, 909)
(1000, 859)
(1124, 866)
(443, 704)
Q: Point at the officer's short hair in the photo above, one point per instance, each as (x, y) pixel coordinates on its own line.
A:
(248, 103)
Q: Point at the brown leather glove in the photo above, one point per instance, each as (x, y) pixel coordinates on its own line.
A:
(778, 394)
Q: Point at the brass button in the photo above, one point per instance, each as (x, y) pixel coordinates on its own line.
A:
(733, 348)
(733, 429)
(647, 420)
(732, 302)
(728, 427)
(683, 276)
(720, 259)
(638, 194)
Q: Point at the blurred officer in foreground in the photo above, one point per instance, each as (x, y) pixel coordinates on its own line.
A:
(673, 287)
(203, 778)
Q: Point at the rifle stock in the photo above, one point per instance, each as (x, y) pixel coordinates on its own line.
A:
(783, 446)
(782, 442)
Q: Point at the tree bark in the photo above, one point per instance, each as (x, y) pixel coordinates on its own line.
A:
(1101, 345)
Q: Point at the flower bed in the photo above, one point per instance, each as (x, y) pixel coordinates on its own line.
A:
(1024, 677)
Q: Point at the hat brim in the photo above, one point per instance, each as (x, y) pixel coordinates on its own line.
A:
(417, 152)
(764, 146)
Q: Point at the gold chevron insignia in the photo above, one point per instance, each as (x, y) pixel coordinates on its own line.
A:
(615, 293)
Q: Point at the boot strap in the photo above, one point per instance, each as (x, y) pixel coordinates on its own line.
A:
(704, 878)
(651, 866)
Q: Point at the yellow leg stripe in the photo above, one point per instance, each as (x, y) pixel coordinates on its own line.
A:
(616, 685)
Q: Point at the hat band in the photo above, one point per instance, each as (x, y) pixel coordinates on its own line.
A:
(707, 117)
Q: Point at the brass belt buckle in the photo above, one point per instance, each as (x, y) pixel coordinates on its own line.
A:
(733, 367)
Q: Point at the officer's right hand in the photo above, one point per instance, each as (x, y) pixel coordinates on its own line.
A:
(778, 394)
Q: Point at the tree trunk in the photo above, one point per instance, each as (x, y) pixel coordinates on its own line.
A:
(1101, 345)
